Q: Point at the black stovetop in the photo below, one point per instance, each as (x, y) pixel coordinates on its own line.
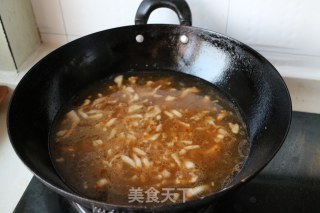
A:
(290, 182)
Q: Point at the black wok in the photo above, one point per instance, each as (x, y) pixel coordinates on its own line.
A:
(251, 81)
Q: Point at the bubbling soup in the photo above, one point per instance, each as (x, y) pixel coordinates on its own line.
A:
(143, 138)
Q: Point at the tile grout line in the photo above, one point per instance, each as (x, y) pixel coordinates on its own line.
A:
(8, 43)
(64, 21)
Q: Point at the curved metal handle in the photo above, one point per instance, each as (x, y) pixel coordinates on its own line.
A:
(180, 7)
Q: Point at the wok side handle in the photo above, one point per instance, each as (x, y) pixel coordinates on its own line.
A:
(180, 7)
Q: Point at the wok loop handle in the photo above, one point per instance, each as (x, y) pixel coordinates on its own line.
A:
(180, 7)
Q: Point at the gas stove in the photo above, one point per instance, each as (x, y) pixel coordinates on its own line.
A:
(290, 182)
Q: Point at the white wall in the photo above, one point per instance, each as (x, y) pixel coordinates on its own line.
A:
(65, 20)
(19, 32)
(6, 60)
(284, 31)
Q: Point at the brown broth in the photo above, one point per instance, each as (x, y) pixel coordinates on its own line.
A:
(141, 130)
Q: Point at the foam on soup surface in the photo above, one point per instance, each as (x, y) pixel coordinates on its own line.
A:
(140, 133)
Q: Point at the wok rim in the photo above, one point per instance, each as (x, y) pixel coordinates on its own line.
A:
(193, 203)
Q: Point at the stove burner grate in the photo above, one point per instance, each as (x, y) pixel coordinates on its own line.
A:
(82, 209)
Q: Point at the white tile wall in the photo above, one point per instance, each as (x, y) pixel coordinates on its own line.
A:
(6, 60)
(50, 21)
(65, 20)
(60, 39)
(286, 25)
(18, 23)
(83, 17)
(210, 14)
(49, 16)
(282, 30)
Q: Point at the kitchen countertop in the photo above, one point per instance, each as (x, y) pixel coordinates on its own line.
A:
(14, 175)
